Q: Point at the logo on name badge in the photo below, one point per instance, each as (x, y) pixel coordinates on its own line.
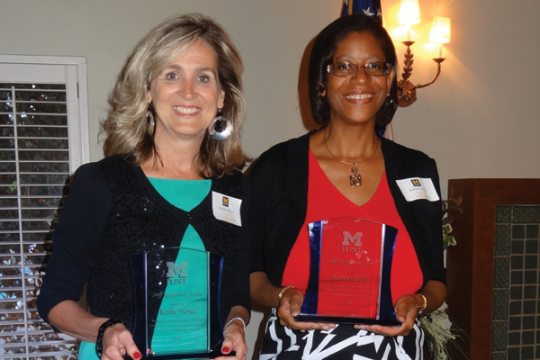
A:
(417, 188)
(226, 208)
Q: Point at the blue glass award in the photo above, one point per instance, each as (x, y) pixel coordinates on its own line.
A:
(177, 303)
(350, 268)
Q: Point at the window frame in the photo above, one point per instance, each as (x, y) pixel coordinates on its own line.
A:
(75, 69)
(78, 134)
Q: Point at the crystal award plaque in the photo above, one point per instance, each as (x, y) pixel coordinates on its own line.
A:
(176, 303)
(349, 282)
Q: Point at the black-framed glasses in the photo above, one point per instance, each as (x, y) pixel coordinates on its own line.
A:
(342, 69)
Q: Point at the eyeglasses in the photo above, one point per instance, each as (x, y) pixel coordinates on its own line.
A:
(378, 68)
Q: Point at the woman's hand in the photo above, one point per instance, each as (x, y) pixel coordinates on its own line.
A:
(234, 334)
(235, 340)
(69, 318)
(117, 342)
(266, 294)
(407, 306)
(289, 306)
(406, 310)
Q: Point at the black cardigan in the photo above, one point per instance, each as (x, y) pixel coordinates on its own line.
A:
(279, 192)
(113, 211)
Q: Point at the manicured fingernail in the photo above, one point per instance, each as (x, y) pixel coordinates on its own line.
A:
(226, 350)
(137, 355)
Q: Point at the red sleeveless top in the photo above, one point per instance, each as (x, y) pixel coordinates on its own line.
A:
(325, 202)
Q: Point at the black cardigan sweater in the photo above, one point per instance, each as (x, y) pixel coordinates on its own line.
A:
(114, 211)
(279, 192)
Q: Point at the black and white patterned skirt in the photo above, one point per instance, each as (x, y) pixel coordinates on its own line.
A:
(343, 342)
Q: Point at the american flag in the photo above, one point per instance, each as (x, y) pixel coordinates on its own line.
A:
(368, 7)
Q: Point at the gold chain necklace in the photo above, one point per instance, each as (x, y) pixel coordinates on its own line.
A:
(355, 178)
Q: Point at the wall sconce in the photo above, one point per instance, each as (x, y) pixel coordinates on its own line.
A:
(409, 14)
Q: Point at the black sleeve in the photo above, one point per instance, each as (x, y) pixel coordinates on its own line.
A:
(260, 180)
(77, 239)
(241, 295)
(435, 222)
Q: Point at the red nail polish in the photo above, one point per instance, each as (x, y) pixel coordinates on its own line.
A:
(137, 355)
(225, 350)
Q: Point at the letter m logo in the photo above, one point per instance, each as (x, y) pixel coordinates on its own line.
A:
(179, 270)
(348, 239)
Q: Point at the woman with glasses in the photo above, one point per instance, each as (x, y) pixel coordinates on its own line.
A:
(346, 170)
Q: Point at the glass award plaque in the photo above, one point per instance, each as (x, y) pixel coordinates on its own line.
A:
(350, 265)
(177, 303)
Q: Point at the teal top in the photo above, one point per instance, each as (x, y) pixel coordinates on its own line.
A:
(185, 195)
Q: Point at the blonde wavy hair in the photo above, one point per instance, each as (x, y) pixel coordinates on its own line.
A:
(127, 128)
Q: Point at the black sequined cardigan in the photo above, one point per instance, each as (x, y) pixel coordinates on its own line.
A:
(112, 212)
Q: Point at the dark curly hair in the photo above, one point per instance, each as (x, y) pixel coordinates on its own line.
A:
(323, 54)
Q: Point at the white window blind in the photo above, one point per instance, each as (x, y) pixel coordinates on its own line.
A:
(36, 160)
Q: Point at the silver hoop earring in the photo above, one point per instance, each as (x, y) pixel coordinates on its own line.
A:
(220, 128)
(150, 117)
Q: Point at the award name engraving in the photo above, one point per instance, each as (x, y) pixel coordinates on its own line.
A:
(183, 323)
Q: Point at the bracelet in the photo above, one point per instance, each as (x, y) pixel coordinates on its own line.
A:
(282, 292)
(423, 306)
(99, 341)
(233, 319)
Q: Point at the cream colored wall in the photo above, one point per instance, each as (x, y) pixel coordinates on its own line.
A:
(478, 120)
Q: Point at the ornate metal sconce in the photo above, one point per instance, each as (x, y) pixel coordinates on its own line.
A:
(440, 33)
(406, 89)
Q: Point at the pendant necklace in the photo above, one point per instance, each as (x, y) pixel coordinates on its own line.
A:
(355, 178)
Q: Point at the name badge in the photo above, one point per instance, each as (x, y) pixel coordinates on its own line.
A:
(226, 208)
(417, 189)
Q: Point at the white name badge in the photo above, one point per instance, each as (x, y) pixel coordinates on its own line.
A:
(417, 189)
(226, 208)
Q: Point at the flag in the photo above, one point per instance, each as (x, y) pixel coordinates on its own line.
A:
(371, 8)
(368, 7)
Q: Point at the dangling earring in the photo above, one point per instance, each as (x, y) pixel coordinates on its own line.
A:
(220, 128)
(150, 117)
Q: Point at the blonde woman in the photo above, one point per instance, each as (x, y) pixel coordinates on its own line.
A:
(173, 140)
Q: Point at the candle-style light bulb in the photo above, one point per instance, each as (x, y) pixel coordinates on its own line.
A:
(409, 12)
(440, 32)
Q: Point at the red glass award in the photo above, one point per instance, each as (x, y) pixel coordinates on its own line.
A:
(351, 261)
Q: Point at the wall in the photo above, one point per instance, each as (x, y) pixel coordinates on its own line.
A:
(477, 120)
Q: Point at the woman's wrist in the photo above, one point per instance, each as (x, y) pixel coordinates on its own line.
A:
(421, 303)
(101, 332)
(237, 320)
(283, 291)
